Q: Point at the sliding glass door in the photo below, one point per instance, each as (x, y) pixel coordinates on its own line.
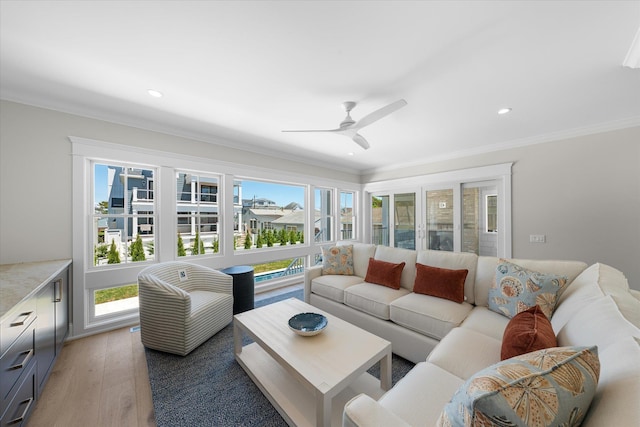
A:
(404, 209)
(460, 217)
(439, 220)
(480, 218)
(393, 220)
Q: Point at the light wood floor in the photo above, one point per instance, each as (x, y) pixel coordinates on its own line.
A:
(102, 381)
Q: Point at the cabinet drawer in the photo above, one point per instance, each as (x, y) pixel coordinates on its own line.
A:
(14, 363)
(23, 403)
(16, 322)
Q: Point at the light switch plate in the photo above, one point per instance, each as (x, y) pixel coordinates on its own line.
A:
(537, 238)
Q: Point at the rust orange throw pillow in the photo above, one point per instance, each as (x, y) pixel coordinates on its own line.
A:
(440, 282)
(527, 331)
(384, 273)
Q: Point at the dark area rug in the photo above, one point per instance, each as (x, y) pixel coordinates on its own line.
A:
(209, 388)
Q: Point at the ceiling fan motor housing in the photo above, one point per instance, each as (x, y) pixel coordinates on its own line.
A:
(348, 121)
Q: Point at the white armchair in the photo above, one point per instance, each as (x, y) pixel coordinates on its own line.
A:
(182, 305)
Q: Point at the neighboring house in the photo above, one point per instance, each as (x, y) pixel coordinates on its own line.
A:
(294, 221)
(258, 203)
(137, 199)
(263, 218)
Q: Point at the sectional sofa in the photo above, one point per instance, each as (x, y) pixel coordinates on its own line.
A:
(457, 345)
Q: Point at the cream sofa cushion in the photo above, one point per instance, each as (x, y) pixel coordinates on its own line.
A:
(593, 283)
(599, 323)
(419, 397)
(396, 256)
(453, 261)
(614, 283)
(487, 322)
(430, 316)
(362, 410)
(580, 293)
(332, 286)
(615, 402)
(372, 299)
(453, 353)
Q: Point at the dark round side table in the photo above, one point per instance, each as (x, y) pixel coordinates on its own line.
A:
(243, 287)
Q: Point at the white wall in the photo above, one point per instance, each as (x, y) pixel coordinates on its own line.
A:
(582, 193)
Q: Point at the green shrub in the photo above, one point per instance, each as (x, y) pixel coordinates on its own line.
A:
(137, 250)
(181, 250)
(113, 257)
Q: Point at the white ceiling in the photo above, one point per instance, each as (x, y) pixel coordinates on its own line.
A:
(237, 73)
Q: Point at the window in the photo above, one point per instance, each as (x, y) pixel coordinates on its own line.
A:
(130, 213)
(272, 215)
(197, 214)
(323, 218)
(347, 216)
(491, 208)
(380, 220)
(123, 223)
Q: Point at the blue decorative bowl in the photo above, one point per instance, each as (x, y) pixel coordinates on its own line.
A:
(308, 324)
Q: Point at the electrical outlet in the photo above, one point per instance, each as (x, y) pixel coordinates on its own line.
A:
(537, 238)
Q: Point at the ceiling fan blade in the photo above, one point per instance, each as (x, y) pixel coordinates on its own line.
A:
(359, 139)
(378, 114)
(314, 130)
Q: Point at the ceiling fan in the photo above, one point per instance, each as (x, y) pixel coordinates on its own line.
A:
(350, 127)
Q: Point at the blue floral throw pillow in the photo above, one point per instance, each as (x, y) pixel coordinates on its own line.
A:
(338, 260)
(550, 387)
(517, 289)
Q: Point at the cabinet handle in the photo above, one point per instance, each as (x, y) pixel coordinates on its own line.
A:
(57, 286)
(27, 356)
(20, 322)
(21, 418)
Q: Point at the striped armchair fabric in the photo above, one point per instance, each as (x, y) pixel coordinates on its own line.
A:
(182, 305)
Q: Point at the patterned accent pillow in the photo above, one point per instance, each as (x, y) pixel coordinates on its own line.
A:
(338, 260)
(551, 387)
(517, 289)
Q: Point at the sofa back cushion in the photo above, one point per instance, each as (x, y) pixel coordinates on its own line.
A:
(453, 261)
(618, 392)
(361, 254)
(396, 256)
(583, 291)
(599, 323)
(486, 273)
(596, 282)
(614, 283)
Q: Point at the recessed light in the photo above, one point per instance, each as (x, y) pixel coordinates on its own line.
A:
(504, 110)
(350, 153)
(154, 93)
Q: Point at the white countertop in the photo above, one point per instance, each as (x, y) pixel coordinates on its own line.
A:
(20, 281)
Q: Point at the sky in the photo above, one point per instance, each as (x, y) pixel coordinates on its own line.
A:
(279, 193)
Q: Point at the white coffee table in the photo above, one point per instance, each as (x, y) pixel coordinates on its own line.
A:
(304, 377)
